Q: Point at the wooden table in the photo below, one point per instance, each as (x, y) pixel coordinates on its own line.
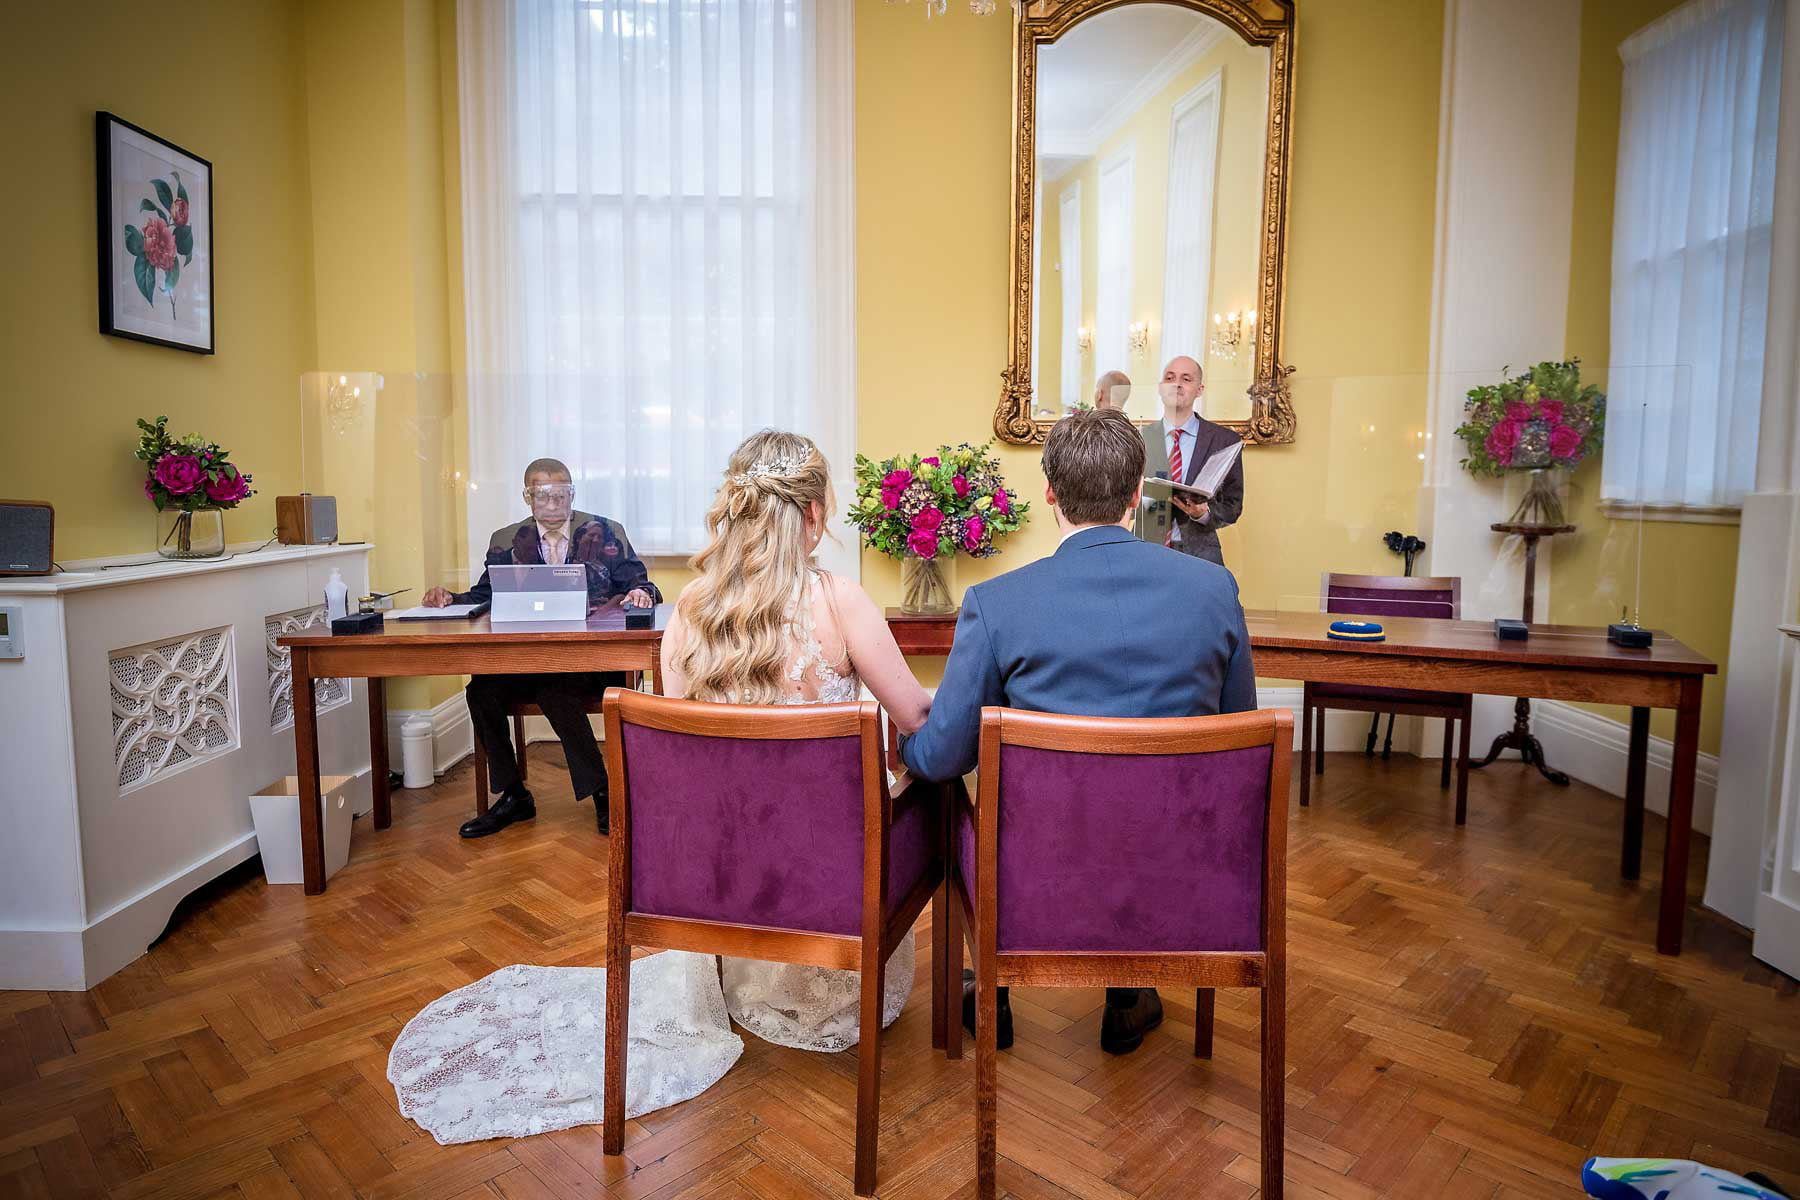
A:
(1559, 662)
(460, 647)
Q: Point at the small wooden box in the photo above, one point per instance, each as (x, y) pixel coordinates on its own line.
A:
(306, 520)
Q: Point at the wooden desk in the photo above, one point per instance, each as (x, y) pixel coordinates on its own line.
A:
(468, 647)
(1559, 662)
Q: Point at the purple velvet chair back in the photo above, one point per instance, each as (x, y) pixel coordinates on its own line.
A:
(1391, 595)
(1153, 838)
(761, 830)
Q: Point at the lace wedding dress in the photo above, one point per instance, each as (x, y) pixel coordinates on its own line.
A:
(519, 1052)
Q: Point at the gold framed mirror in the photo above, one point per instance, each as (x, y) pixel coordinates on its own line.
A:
(1151, 144)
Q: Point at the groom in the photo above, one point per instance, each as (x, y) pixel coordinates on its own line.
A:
(1162, 635)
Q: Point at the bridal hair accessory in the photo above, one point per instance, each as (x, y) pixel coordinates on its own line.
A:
(762, 468)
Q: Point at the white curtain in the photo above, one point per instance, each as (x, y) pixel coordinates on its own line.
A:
(1187, 269)
(657, 247)
(1691, 226)
(1068, 234)
(1112, 290)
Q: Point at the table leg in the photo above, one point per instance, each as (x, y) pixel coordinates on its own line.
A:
(1631, 855)
(378, 754)
(1672, 911)
(306, 767)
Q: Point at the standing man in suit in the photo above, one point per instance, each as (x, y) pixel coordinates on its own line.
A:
(554, 533)
(1013, 646)
(1174, 448)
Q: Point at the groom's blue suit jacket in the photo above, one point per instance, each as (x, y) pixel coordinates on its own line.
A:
(1108, 626)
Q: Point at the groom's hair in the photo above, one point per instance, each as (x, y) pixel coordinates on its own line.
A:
(1094, 461)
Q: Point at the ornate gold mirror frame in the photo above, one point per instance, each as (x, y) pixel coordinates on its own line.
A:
(1258, 22)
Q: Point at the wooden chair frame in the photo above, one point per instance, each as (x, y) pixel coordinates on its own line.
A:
(1203, 970)
(1456, 708)
(867, 952)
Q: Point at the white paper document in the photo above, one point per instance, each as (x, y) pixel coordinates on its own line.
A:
(1207, 482)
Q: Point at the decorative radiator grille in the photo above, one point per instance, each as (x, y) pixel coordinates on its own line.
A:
(173, 704)
(327, 693)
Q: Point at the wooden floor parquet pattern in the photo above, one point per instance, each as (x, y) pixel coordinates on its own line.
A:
(1472, 1012)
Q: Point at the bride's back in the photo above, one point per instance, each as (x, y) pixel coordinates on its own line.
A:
(760, 625)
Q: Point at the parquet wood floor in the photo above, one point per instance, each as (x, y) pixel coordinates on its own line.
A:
(1472, 1012)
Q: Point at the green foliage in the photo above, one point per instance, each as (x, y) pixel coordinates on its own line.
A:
(1544, 417)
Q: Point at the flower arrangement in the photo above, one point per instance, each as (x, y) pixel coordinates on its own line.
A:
(189, 475)
(164, 235)
(1543, 418)
(924, 510)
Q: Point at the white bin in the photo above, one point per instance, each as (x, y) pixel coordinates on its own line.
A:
(276, 811)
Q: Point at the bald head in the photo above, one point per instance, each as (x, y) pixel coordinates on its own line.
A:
(1179, 388)
(1112, 389)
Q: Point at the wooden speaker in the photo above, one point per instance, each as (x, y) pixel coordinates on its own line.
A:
(25, 536)
(306, 520)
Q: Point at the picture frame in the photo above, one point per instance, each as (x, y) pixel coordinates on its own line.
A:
(154, 203)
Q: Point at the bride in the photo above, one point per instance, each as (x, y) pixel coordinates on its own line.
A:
(519, 1052)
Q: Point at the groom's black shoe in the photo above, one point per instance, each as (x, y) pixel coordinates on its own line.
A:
(1130, 1014)
(602, 811)
(515, 804)
(1002, 1012)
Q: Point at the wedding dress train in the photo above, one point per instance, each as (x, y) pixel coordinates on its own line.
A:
(519, 1052)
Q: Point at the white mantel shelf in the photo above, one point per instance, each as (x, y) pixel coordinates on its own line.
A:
(118, 572)
(150, 700)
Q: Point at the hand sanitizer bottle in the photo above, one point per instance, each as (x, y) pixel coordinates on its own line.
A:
(337, 597)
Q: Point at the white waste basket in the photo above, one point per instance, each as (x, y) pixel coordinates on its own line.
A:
(276, 811)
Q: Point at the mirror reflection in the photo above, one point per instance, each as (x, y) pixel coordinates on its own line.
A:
(1151, 123)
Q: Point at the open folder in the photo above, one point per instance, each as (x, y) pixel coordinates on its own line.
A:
(1207, 482)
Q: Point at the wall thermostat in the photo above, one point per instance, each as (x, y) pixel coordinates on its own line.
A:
(11, 620)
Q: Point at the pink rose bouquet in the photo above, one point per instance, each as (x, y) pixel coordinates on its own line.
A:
(935, 507)
(188, 473)
(1543, 418)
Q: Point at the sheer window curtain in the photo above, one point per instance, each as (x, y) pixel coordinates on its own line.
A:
(658, 253)
(1690, 287)
(1187, 270)
(1112, 291)
(1068, 234)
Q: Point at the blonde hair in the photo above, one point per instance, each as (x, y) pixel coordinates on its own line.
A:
(739, 609)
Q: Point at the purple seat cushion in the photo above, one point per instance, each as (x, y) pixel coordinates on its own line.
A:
(1128, 853)
(755, 832)
(1389, 602)
(912, 841)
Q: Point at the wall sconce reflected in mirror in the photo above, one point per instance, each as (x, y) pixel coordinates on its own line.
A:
(343, 403)
(1137, 338)
(1231, 332)
(1084, 339)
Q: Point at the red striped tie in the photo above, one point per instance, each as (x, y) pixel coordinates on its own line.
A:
(1175, 474)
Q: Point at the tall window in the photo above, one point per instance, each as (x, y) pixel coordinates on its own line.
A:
(1112, 291)
(1068, 236)
(1187, 271)
(657, 246)
(1691, 228)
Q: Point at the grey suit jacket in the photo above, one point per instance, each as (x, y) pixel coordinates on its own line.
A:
(1108, 626)
(1198, 538)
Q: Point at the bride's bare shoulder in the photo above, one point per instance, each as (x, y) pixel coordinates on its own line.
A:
(847, 594)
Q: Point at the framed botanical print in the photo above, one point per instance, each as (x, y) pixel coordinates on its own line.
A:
(156, 237)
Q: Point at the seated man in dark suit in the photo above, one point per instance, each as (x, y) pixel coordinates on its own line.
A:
(1161, 634)
(554, 533)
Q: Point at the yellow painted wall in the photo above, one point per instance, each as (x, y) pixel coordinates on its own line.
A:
(932, 243)
(72, 395)
(1244, 80)
(1688, 569)
(376, 128)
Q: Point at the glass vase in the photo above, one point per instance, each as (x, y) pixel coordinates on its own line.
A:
(1541, 501)
(196, 534)
(925, 585)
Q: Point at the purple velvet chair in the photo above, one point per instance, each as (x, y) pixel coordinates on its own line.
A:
(1124, 852)
(765, 833)
(1388, 596)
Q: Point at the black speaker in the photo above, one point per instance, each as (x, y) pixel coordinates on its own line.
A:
(25, 528)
